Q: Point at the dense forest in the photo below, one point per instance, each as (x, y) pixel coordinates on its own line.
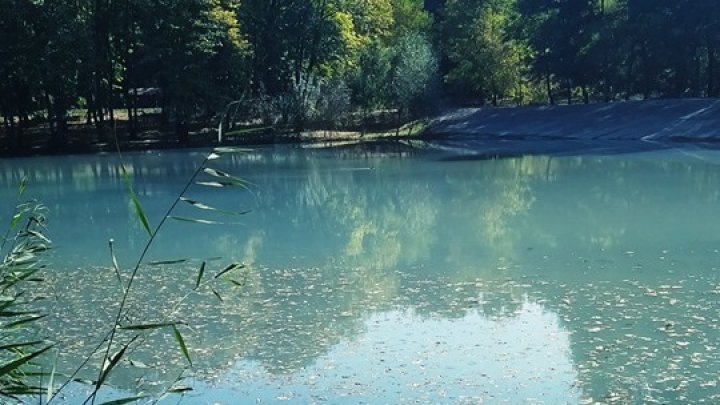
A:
(107, 64)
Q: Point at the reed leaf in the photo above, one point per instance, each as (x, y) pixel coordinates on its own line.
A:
(10, 314)
(116, 268)
(236, 283)
(51, 382)
(197, 220)
(217, 294)
(202, 206)
(21, 210)
(229, 269)
(38, 235)
(21, 187)
(134, 200)
(11, 346)
(23, 321)
(111, 363)
(215, 184)
(201, 272)
(229, 179)
(17, 363)
(181, 344)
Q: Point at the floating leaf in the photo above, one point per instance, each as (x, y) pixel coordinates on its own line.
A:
(180, 389)
(124, 400)
(181, 343)
(147, 326)
(164, 262)
(137, 364)
(225, 149)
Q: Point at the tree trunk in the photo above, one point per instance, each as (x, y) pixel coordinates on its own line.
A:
(10, 130)
(397, 122)
(58, 127)
(181, 127)
(6, 121)
(548, 83)
(20, 131)
(131, 120)
(711, 92)
(99, 121)
(100, 57)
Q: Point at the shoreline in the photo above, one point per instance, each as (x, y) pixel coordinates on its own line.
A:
(481, 133)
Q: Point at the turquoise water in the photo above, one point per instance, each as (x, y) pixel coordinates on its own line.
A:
(399, 276)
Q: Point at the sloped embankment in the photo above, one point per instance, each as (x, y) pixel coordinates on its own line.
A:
(641, 124)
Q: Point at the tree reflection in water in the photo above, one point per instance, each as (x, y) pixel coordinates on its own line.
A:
(365, 253)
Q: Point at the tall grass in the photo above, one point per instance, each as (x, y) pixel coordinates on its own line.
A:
(21, 252)
(22, 246)
(126, 331)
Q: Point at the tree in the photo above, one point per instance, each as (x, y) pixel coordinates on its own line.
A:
(19, 73)
(190, 52)
(486, 61)
(369, 84)
(63, 39)
(413, 68)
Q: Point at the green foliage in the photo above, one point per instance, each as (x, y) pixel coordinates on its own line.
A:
(487, 61)
(413, 68)
(409, 18)
(202, 54)
(369, 84)
(21, 249)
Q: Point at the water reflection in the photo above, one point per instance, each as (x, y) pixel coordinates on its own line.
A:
(401, 357)
(609, 262)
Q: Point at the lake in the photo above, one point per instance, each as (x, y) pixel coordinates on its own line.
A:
(397, 276)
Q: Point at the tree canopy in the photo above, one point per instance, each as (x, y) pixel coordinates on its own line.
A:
(94, 57)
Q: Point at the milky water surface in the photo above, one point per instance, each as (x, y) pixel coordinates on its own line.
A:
(397, 276)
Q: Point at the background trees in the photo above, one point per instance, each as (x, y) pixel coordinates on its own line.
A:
(486, 60)
(89, 60)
